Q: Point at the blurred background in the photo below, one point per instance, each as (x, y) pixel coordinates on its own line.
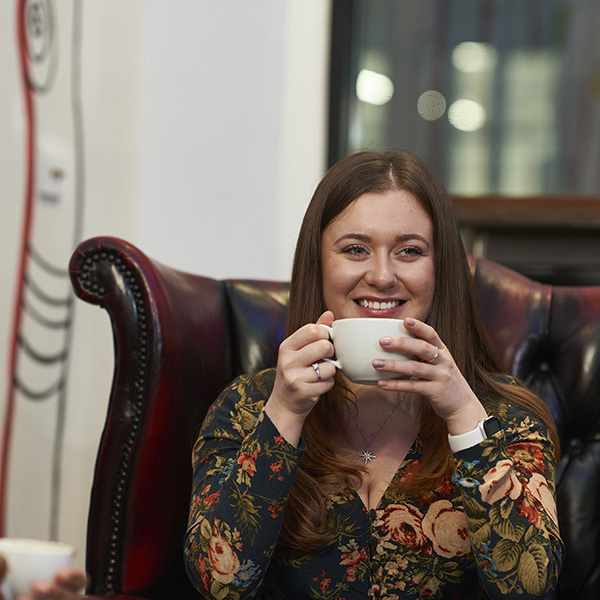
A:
(198, 130)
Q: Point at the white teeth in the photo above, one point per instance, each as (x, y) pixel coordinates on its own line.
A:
(378, 305)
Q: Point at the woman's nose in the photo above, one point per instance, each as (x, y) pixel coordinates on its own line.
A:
(381, 274)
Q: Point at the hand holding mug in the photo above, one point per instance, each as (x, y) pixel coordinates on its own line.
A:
(67, 585)
(433, 374)
(301, 378)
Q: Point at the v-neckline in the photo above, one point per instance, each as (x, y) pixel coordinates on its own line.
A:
(408, 456)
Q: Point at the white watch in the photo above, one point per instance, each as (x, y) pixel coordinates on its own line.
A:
(485, 429)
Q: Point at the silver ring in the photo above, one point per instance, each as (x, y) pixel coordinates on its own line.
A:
(437, 353)
(315, 366)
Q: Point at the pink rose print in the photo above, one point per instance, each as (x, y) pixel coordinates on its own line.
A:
(447, 529)
(223, 559)
(404, 524)
(499, 482)
(540, 490)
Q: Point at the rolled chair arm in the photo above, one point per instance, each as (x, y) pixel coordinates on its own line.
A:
(160, 318)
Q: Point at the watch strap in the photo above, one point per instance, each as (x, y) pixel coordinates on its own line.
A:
(484, 429)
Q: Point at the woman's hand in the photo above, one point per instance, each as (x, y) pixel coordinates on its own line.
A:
(67, 585)
(433, 375)
(298, 385)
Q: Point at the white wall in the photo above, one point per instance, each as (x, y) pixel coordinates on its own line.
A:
(240, 88)
(205, 134)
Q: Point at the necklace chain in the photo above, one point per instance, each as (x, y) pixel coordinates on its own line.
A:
(367, 455)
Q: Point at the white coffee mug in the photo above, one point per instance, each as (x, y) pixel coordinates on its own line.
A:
(30, 560)
(356, 343)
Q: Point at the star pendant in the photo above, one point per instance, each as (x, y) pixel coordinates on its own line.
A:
(367, 456)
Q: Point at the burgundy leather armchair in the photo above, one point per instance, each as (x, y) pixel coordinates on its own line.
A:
(180, 338)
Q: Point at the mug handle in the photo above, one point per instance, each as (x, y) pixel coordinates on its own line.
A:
(335, 363)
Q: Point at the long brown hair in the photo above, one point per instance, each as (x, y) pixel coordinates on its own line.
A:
(454, 314)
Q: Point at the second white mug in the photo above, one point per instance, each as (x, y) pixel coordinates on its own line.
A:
(29, 560)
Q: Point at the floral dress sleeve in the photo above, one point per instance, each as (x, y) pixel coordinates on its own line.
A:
(507, 484)
(243, 472)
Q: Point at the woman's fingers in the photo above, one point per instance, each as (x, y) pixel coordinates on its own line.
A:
(326, 318)
(302, 375)
(306, 347)
(423, 344)
(432, 373)
(293, 362)
(71, 579)
(309, 333)
(67, 585)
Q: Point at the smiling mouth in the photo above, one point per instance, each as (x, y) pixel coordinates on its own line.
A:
(375, 305)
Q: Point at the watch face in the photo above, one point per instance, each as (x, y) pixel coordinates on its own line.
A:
(491, 426)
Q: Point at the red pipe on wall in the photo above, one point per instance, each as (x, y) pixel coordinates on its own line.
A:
(28, 92)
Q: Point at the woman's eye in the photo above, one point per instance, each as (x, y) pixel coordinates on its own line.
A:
(355, 250)
(411, 251)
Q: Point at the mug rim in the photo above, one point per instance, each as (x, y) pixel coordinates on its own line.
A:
(32, 545)
(362, 319)
(369, 320)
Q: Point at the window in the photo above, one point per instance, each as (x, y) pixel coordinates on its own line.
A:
(497, 96)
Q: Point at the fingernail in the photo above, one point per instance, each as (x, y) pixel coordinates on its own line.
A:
(378, 363)
(385, 341)
(409, 321)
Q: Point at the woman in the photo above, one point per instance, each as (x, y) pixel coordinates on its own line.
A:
(439, 483)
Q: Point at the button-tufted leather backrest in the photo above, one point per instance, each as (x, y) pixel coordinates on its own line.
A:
(180, 338)
(549, 336)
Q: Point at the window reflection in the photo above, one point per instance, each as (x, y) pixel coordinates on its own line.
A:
(499, 96)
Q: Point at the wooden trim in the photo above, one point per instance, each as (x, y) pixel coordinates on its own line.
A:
(578, 212)
(343, 14)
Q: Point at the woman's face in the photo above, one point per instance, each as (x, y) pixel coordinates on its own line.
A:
(378, 258)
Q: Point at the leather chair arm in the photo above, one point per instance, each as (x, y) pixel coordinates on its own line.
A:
(160, 319)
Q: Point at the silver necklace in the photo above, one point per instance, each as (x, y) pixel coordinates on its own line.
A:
(367, 456)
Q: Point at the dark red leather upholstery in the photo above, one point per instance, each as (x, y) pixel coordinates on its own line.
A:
(180, 338)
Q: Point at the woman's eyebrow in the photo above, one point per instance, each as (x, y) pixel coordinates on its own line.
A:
(362, 237)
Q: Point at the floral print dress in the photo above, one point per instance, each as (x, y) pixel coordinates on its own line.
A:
(490, 532)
